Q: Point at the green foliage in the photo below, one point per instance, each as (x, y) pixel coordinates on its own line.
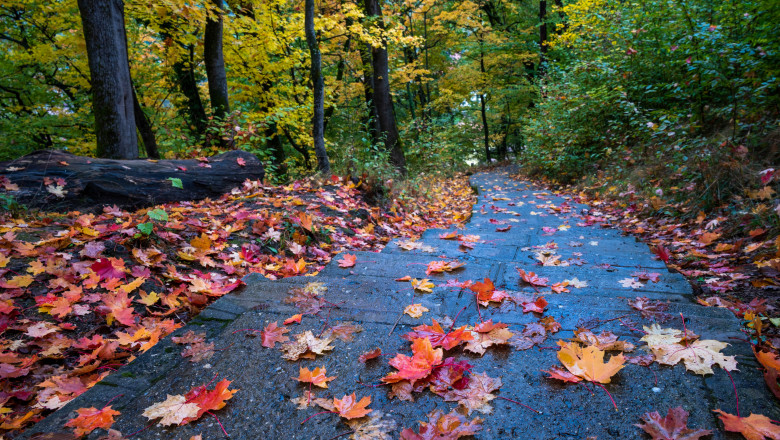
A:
(145, 228)
(158, 214)
(176, 182)
(688, 90)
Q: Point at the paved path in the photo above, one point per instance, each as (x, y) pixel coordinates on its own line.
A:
(368, 295)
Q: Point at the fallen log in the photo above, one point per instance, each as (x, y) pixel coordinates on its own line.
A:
(57, 181)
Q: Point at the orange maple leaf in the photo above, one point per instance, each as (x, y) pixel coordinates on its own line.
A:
(419, 366)
(316, 377)
(753, 427)
(293, 318)
(348, 260)
(89, 419)
(438, 336)
(532, 279)
(588, 363)
(350, 408)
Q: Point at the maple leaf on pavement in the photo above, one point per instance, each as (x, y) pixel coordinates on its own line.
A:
(350, 408)
(671, 346)
(672, 427)
(753, 427)
(532, 279)
(293, 319)
(442, 426)
(316, 377)
(476, 396)
(348, 260)
(173, 410)
(89, 419)
(198, 352)
(559, 373)
(208, 400)
(344, 331)
(419, 366)
(438, 337)
(272, 334)
(424, 285)
(375, 427)
(631, 283)
(588, 362)
(373, 354)
(655, 310)
(771, 363)
(415, 310)
(486, 335)
(306, 345)
(605, 340)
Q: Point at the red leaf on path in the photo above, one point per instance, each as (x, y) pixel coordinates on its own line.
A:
(537, 306)
(419, 366)
(109, 268)
(753, 427)
(241, 162)
(272, 334)
(662, 253)
(437, 335)
(532, 279)
(504, 229)
(89, 419)
(406, 278)
(293, 318)
(442, 426)
(348, 260)
(559, 373)
(373, 354)
(209, 400)
(672, 427)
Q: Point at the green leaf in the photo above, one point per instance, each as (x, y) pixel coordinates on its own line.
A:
(159, 214)
(775, 321)
(146, 228)
(176, 182)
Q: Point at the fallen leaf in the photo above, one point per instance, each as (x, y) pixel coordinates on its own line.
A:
(348, 260)
(373, 354)
(350, 408)
(672, 427)
(293, 319)
(588, 362)
(753, 427)
(89, 419)
(173, 410)
(415, 310)
(272, 334)
(442, 426)
(316, 377)
(424, 285)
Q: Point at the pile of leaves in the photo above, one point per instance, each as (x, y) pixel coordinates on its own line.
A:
(81, 294)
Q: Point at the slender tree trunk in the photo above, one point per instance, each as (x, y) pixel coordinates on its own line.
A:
(112, 92)
(340, 67)
(542, 37)
(145, 129)
(215, 63)
(482, 101)
(382, 98)
(318, 90)
(371, 122)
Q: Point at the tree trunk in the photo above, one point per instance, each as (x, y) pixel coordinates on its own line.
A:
(382, 98)
(185, 77)
(542, 36)
(145, 129)
(215, 62)
(112, 92)
(318, 90)
(482, 101)
(371, 122)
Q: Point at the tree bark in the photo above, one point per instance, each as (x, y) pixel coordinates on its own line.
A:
(145, 129)
(371, 122)
(215, 63)
(383, 101)
(318, 90)
(542, 36)
(185, 77)
(112, 91)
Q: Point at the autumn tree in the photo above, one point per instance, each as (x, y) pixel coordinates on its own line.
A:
(318, 91)
(112, 89)
(215, 61)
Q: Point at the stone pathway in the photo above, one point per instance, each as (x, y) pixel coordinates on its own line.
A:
(367, 294)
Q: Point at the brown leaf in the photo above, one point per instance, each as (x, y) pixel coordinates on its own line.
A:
(476, 396)
(753, 427)
(672, 427)
(605, 340)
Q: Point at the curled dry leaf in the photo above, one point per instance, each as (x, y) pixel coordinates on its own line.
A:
(89, 419)
(306, 345)
(424, 285)
(373, 354)
(442, 426)
(476, 396)
(771, 364)
(605, 340)
(293, 319)
(672, 427)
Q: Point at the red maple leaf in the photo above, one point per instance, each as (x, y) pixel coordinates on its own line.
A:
(108, 268)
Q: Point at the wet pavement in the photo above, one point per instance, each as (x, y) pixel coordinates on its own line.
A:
(368, 294)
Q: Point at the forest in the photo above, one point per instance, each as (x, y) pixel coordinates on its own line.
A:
(158, 157)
